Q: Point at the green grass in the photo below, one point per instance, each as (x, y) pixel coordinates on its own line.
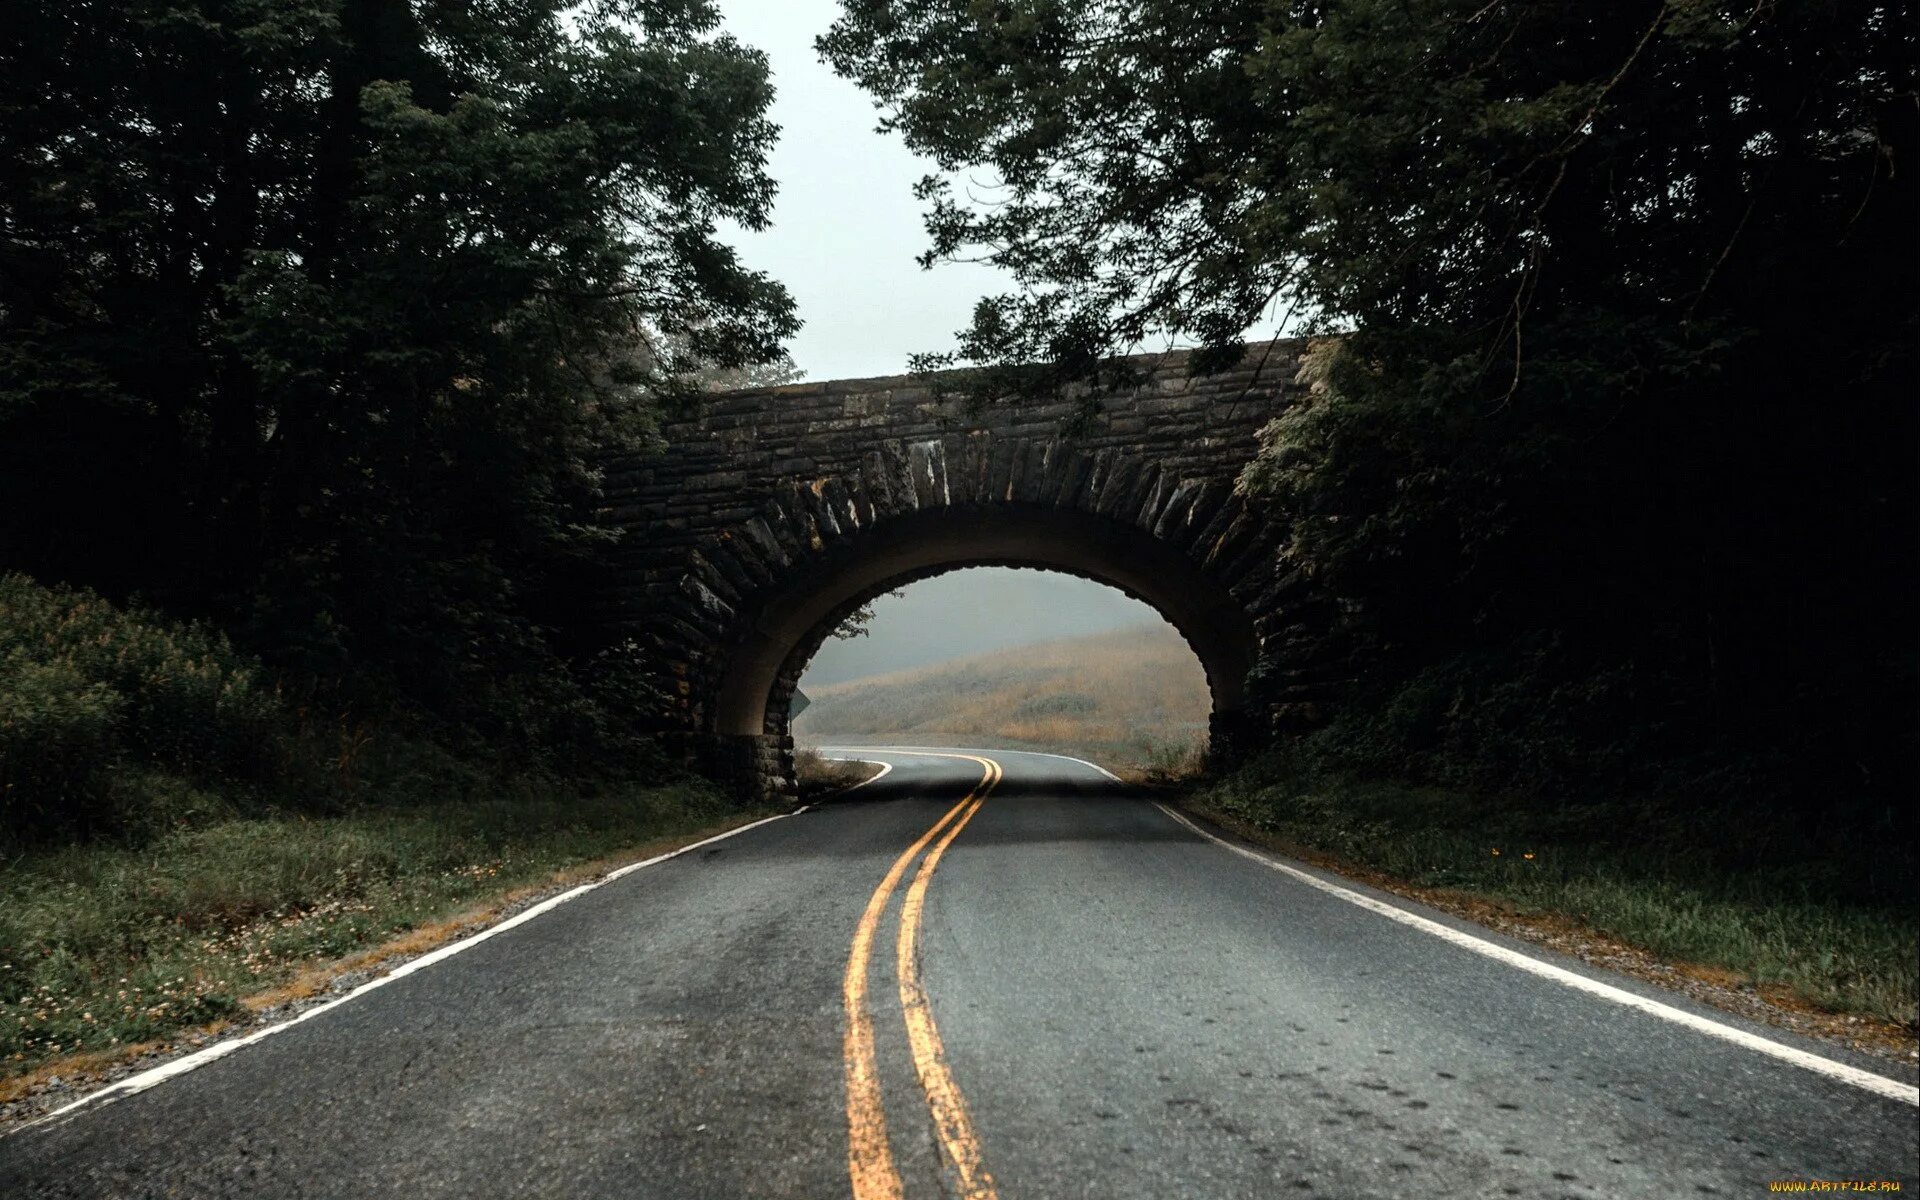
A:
(177, 835)
(111, 943)
(1664, 885)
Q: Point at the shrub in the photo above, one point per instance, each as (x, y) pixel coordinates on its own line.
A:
(57, 741)
(116, 720)
(94, 698)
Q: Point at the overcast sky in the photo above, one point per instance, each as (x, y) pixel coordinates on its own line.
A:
(846, 228)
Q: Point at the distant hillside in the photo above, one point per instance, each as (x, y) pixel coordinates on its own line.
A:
(1126, 694)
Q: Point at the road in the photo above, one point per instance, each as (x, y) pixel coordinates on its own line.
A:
(1078, 996)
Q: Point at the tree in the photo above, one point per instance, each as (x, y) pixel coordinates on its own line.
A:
(1147, 166)
(859, 622)
(1624, 291)
(313, 312)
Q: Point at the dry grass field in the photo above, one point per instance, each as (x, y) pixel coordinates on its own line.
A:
(1133, 697)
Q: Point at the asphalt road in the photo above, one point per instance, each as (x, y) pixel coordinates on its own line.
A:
(1093, 1000)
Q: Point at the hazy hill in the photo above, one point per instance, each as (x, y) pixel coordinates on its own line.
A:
(1122, 694)
(967, 612)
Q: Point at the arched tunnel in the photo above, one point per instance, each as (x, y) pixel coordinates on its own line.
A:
(756, 685)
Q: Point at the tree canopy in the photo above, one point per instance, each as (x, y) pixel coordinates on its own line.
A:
(311, 311)
(1146, 167)
(1624, 380)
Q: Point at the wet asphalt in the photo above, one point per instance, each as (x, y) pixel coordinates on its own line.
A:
(1130, 1010)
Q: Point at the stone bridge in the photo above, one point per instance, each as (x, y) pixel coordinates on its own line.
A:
(774, 513)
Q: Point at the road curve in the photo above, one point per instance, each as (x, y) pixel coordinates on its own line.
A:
(1066, 992)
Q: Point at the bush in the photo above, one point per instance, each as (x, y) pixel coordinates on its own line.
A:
(1527, 718)
(1557, 729)
(119, 721)
(93, 697)
(57, 741)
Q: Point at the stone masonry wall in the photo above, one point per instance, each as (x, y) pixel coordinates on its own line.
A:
(759, 480)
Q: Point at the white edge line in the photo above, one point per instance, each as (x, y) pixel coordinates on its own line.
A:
(1880, 1085)
(1083, 762)
(135, 1084)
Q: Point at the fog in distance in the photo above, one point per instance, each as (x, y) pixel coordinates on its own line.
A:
(974, 611)
(1020, 659)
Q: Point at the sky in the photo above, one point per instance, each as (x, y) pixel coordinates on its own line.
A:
(846, 228)
(970, 611)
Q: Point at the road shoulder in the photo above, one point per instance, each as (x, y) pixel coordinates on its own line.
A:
(1878, 1046)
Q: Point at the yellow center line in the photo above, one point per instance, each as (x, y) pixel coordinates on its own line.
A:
(869, 1156)
(949, 1108)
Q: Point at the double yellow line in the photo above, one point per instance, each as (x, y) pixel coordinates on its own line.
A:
(869, 1153)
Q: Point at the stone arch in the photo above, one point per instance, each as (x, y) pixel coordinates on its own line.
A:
(756, 684)
(757, 595)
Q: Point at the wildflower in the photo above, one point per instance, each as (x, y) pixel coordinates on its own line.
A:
(1528, 856)
(1496, 852)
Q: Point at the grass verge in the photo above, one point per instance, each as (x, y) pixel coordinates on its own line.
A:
(1784, 930)
(106, 946)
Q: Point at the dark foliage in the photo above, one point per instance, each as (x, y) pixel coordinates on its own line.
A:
(122, 723)
(1612, 464)
(313, 311)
